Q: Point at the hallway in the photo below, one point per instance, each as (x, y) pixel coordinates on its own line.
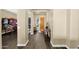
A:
(37, 41)
(60, 26)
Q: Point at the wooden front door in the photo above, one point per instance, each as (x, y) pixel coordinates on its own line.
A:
(41, 23)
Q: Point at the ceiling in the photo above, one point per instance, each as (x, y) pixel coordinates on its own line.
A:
(33, 10)
(12, 10)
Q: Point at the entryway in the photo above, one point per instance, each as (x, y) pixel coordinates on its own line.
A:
(39, 23)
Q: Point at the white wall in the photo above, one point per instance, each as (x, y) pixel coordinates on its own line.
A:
(58, 19)
(0, 29)
(59, 27)
(74, 24)
(50, 22)
(22, 21)
(59, 23)
(65, 28)
(74, 28)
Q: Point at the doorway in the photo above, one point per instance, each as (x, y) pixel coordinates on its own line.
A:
(9, 33)
(29, 27)
(37, 24)
(41, 23)
(29, 24)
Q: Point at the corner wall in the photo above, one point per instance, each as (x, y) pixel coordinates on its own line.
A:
(65, 28)
(0, 29)
(22, 21)
(74, 28)
(59, 27)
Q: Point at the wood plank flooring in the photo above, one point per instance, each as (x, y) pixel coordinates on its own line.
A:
(9, 41)
(37, 41)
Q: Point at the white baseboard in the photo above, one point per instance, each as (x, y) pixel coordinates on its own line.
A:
(59, 45)
(23, 44)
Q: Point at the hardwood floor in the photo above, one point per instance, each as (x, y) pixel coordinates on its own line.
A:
(37, 41)
(9, 41)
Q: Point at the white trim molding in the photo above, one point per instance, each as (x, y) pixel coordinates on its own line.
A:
(23, 44)
(59, 45)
